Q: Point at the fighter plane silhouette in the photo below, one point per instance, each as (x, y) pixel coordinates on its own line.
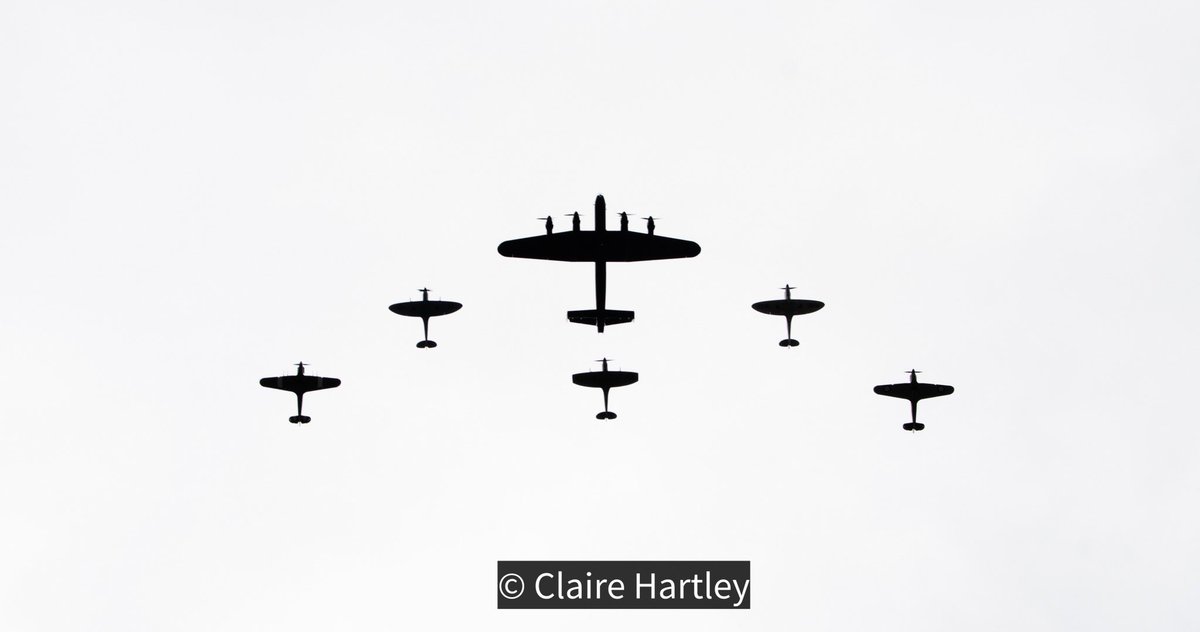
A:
(788, 307)
(605, 380)
(913, 392)
(300, 384)
(425, 309)
(599, 246)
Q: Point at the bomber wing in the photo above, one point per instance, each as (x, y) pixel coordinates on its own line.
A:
(586, 245)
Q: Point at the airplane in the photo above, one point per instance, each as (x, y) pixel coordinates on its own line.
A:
(788, 307)
(300, 384)
(599, 246)
(605, 380)
(913, 392)
(426, 309)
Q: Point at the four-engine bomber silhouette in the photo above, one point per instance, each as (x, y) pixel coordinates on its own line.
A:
(300, 384)
(788, 307)
(605, 380)
(426, 309)
(599, 246)
(914, 392)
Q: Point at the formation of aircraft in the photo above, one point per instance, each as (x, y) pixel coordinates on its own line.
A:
(788, 307)
(300, 384)
(600, 247)
(604, 380)
(914, 392)
(425, 309)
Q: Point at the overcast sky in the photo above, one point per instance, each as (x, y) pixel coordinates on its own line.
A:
(199, 194)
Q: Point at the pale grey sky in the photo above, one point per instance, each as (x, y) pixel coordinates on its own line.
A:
(199, 194)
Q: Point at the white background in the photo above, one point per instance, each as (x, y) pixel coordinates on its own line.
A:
(196, 195)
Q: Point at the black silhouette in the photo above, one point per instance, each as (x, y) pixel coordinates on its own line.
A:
(426, 309)
(599, 246)
(605, 380)
(788, 307)
(300, 384)
(549, 224)
(913, 392)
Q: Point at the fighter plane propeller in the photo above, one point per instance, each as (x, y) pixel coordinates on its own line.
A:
(425, 309)
(788, 307)
(605, 380)
(300, 384)
(599, 246)
(913, 392)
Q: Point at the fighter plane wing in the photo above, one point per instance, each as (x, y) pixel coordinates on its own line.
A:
(909, 390)
(300, 383)
(788, 307)
(587, 245)
(605, 379)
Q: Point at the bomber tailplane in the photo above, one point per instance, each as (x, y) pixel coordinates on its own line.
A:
(600, 317)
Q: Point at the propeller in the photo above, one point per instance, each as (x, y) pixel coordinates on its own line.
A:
(424, 293)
